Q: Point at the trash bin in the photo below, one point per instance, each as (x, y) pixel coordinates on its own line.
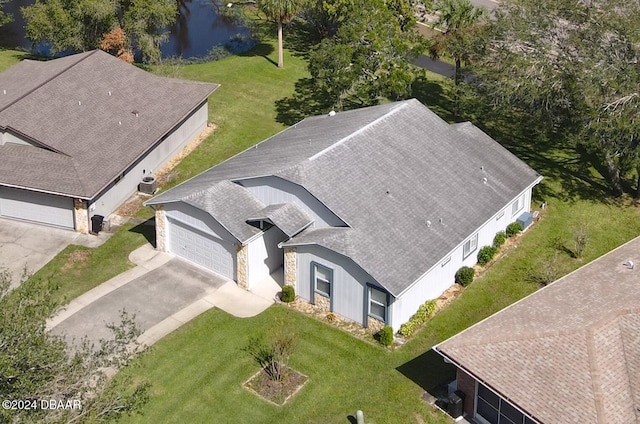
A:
(456, 404)
(96, 223)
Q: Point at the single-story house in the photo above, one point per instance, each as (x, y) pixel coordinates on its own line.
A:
(370, 212)
(568, 353)
(79, 133)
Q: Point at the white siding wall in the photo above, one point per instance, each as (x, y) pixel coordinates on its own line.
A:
(117, 193)
(441, 277)
(264, 255)
(274, 190)
(349, 280)
(196, 218)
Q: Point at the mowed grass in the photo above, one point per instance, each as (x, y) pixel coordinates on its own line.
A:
(8, 58)
(198, 371)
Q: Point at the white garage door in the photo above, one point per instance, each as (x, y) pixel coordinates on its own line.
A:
(203, 249)
(37, 207)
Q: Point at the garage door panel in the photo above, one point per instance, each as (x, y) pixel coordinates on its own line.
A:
(203, 249)
(37, 207)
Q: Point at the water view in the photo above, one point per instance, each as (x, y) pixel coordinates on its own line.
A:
(198, 28)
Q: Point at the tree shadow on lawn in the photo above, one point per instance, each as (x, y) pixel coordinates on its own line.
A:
(428, 370)
(306, 101)
(260, 49)
(432, 95)
(563, 166)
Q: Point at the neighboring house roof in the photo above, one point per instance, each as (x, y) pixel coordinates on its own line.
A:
(569, 353)
(80, 112)
(385, 171)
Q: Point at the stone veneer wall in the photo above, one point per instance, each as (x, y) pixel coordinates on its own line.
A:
(290, 267)
(374, 325)
(322, 303)
(242, 258)
(161, 229)
(467, 385)
(81, 215)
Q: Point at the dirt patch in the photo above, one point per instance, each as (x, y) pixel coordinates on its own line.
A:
(76, 257)
(276, 392)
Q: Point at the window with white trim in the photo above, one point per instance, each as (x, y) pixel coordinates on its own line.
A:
(517, 205)
(377, 304)
(492, 409)
(322, 277)
(470, 246)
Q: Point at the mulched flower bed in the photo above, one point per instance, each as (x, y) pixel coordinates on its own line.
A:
(276, 392)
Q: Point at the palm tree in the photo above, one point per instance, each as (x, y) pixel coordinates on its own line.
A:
(281, 12)
(457, 21)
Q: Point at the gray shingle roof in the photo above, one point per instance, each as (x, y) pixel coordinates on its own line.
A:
(286, 216)
(569, 353)
(82, 107)
(385, 171)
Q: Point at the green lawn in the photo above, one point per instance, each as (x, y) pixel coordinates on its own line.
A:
(196, 373)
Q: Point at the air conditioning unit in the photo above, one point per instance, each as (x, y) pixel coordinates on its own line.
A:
(148, 185)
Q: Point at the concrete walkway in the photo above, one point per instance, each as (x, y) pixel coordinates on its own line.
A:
(164, 292)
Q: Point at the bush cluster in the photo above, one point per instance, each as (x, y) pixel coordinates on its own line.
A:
(499, 239)
(420, 317)
(486, 254)
(385, 336)
(513, 229)
(464, 276)
(288, 294)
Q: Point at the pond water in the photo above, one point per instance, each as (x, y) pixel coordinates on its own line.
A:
(197, 30)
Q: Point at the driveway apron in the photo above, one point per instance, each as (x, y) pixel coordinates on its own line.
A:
(152, 297)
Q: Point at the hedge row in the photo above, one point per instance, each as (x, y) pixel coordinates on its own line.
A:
(420, 317)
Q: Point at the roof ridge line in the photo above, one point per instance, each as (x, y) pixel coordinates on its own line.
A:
(48, 80)
(360, 130)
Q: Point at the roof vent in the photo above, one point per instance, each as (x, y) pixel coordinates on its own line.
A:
(482, 168)
(109, 93)
(4, 91)
(119, 122)
(428, 224)
(484, 180)
(79, 103)
(135, 112)
(441, 220)
(629, 264)
(332, 113)
(388, 192)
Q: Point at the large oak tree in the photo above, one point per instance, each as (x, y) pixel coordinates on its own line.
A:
(572, 67)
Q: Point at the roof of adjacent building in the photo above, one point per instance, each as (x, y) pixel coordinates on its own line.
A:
(87, 118)
(570, 352)
(385, 171)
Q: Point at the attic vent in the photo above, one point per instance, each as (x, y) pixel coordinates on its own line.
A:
(79, 103)
(428, 224)
(629, 264)
(484, 180)
(109, 93)
(135, 112)
(119, 122)
(332, 113)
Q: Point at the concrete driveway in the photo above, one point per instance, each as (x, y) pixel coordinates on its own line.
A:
(31, 245)
(163, 292)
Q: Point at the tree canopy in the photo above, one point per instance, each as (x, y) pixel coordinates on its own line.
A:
(572, 67)
(369, 57)
(5, 18)
(81, 25)
(37, 366)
